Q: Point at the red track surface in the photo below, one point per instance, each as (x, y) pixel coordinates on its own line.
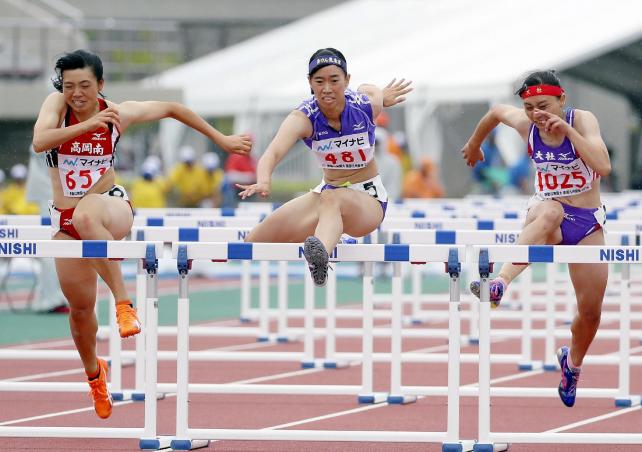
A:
(343, 413)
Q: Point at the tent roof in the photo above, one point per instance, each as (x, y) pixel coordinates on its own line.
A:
(453, 50)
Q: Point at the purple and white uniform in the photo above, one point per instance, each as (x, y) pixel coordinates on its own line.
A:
(560, 172)
(350, 148)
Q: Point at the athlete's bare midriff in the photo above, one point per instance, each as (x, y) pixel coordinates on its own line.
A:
(62, 202)
(339, 177)
(588, 200)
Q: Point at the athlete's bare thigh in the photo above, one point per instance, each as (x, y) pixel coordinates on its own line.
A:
(114, 213)
(361, 213)
(293, 222)
(77, 278)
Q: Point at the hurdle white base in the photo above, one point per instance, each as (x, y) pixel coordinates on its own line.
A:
(491, 447)
(460, 446)
(158, 443)
(530, 365)
(70, 432)
(140, 396)
(189, 444)
(508, 391)
(318, 435)
(288, 338)
(627, 401)
(397, 399)
(122, 395)
(250, 388)
(377, 397)
(335, 364)
(567, 438)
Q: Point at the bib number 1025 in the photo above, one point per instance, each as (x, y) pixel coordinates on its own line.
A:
(548, 181)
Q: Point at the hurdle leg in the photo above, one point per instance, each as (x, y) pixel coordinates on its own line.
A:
(527, 362)
(282, 321)
(473, 322)
(264, 301)
(308, 322)
(330, 361)
(141, 295)
(181, 440)
(624, 397)
(149, 439)
(415, 316)
(115, 371)
(484, 444)
(453, 443)
(367, 394)
(246, 291)
(550, 361)
(395, 396)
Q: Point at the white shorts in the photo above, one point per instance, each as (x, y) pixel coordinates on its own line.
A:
(373, 187)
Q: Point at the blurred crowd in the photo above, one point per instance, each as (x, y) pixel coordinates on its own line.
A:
(209, 179)
(192, 182)
(195, 181)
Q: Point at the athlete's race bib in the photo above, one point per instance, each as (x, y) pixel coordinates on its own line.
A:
(562, 179)
(349, 152)
(79, 174)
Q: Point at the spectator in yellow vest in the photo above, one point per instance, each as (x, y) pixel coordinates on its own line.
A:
(212, 195)
(188, 179)
(14, 198)
(148, 190)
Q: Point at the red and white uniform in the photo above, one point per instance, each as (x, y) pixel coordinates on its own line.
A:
(82, 160)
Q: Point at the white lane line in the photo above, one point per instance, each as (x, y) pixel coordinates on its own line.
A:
(493, 381)
(60, 373)
(247, 381)
(361, 409)
(346, 412)
(594, 419)
(60, 413)
(80, 370)
(41, 345)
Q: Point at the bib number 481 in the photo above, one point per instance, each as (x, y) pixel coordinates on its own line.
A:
(345, 157)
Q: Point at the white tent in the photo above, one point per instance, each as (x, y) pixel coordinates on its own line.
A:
(453, 51)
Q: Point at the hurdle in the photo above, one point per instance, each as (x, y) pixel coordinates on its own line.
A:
(117, 250)
(199, 221)
(25, 220)
(185, 252)
(470, 238)
(242, 209)
(448, 226)
(485, 257)
(20, 232)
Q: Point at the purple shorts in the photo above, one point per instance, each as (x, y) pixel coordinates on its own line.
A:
(579, 223)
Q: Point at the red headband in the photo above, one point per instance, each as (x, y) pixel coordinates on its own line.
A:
(542, 90)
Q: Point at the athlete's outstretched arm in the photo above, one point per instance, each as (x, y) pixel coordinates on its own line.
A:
(295, 126)
(506, 114)
(47, 133)
(137, 112)
(392, 94)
